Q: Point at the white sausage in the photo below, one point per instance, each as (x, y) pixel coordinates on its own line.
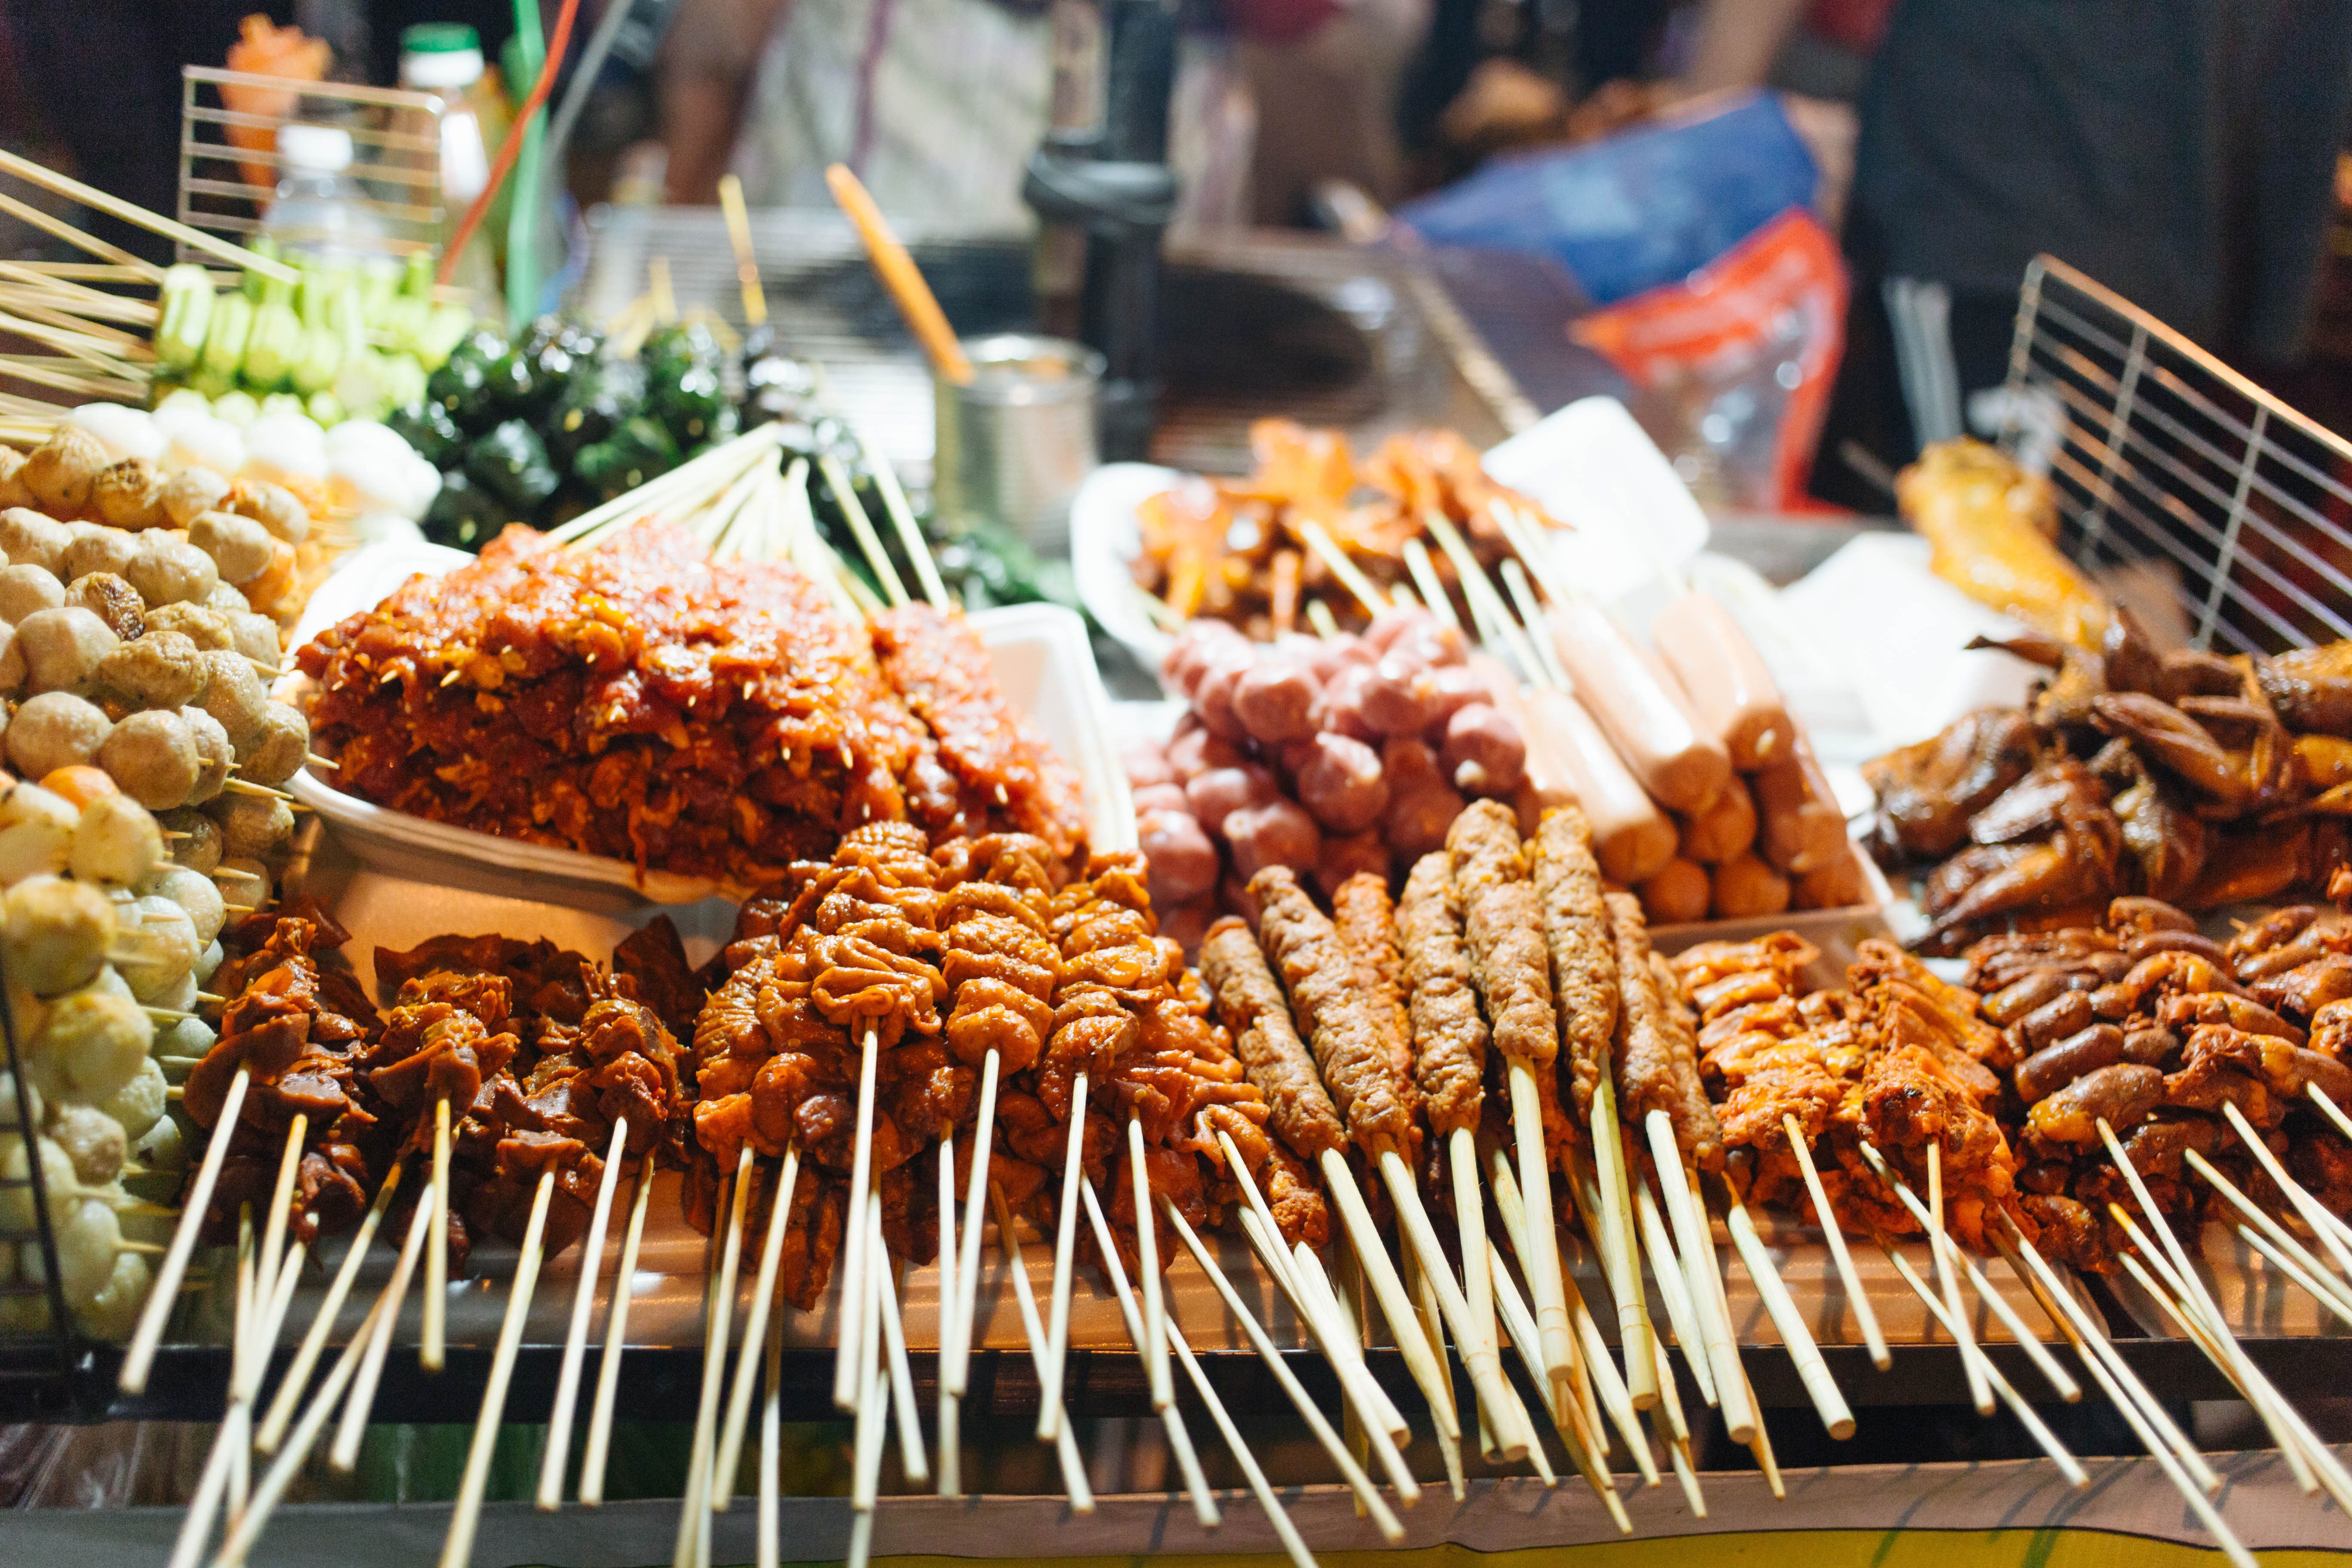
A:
(1730, 690)
(1639, 708)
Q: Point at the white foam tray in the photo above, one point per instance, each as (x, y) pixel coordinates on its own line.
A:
(1042, 660)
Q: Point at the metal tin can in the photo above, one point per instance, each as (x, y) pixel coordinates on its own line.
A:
(1014, 443)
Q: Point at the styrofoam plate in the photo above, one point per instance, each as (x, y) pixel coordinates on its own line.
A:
(1041, 657)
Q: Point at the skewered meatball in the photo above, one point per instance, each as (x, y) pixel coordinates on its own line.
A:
(113, 1313)
(168, 570)
(195, 894)
(213, 751)
(37, 829)
(57, 934)
(16, 1158)
(63, 648)
(87, 1237)
(157, 946)
(229, 599)
(279, 752)
(129, 495)
(199, 848)
(27, 588)
(255, 637)
(201, 624)
(96, 548)
(137, 1105)
(62, 470)
(92, 1139)
(251, 825)
(56, 730)
(238, 545)
(213, 954)
(234, 695)
(189, 1038)
(112, 600)
(32, 540)
(191, 494)
(274, 507)
(244, 882)
(12, 493)
(156, 670)
(116, 843)
(89, 1044)
(153, 757)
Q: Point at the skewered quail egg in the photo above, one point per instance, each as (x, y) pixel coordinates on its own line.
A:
(210, 959)
(89, 1238)
(138, 1104)
(244, 882)
(56, 730)
(195, 894)
(113, 1311)
(16, 1168)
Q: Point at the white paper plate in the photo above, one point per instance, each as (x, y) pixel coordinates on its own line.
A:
(1041, 657)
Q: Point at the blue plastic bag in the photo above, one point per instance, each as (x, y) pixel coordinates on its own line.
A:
(1643, 207)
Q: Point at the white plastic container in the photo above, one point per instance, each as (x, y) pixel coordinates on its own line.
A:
(1042, 661)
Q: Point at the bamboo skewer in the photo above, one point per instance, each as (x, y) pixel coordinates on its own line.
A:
(1484, 1362)
(1154, 1347)
(1601, 1388)
(1066, 1237)
(770, 1546)
(2314, 1214)
(296, 1450)
(955, 1369)
(1617, 1241)
(873, 1414)
(1066, 1448)
(1284, 1531)
(1541, 1261)
(694, 1509)
(115, 206)
(1429, 1322)
(755, 1332)
(1568, 1415)
(281, 1196)
(950, 1444)
(616, 1329)
(900, 275)
(233, 1440)
(1371, 1255)
(1691, 1241)
(433, 1351)
(1180, 1439)
(2027, 1340)
(1864, 1317)
(305, 1358)
(1811, 1371)
(848, 1353)
(575, 1339)
(1470, 1226)
(1939, 1248)
(345, 1452)
(2279, 1244)
(739, 233)
(1384, 1517)
(458, 1550)
(139, 1359)
(1681, 1313)
(894, 1345)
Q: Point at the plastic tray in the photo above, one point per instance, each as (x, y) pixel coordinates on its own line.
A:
(1042, 660)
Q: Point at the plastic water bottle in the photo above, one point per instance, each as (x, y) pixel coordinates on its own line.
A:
(319, 211)
(445, 59)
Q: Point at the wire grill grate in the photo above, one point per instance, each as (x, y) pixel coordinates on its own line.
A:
(2230, 510)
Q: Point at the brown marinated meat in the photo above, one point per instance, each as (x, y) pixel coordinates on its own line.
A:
(1647, 1074)
(1583, 955)
(1449, 1037)
(1250, 1002)
(1504, 923)
(1349, 1037)
(1366, 923)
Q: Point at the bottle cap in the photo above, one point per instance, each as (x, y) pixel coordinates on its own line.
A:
(435, 55)
(320, 149)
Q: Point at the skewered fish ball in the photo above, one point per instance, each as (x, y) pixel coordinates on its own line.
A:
(116, 843)
(238, 545)
(12, 493)
(16, 1210)
(255, 636)
(54, 729)
(191, 494)
(244, 881)
(177, 996)
(210, 959)
(31, 539)
(251, 826)
(113, 1311)
(57, 934)
(62, 469)
(152, 756)
(92, 1139)
(129, 495)
(274, 507)
(63, 648)
(234, 695)
(89, 1238)
(168, 570)
(158, 668)
(200, 849)
(27, 588)
(37, 830)
(137, 1105)
(33, 1113)
(229, 599)
(212, 751)
(195, 895)
(112, 600)
(279, 752)
(187, 1038)
(89, 1045)
(98, 549)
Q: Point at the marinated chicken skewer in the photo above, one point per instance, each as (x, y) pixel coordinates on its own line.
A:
(1357, 1056)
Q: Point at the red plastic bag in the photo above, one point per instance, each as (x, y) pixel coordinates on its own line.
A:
(1738, 358)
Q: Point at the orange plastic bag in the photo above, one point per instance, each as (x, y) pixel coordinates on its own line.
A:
(270, 50)
(1743, 351)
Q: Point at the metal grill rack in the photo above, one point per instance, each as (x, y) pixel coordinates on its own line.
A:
(395, 154)
(2222, 513)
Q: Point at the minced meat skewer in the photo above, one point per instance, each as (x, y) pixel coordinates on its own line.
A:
(1366, 922)
(1449, 1037)
(1649, 1075)
(1351, 1032)
(1250, 1001)
(1583, 956)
